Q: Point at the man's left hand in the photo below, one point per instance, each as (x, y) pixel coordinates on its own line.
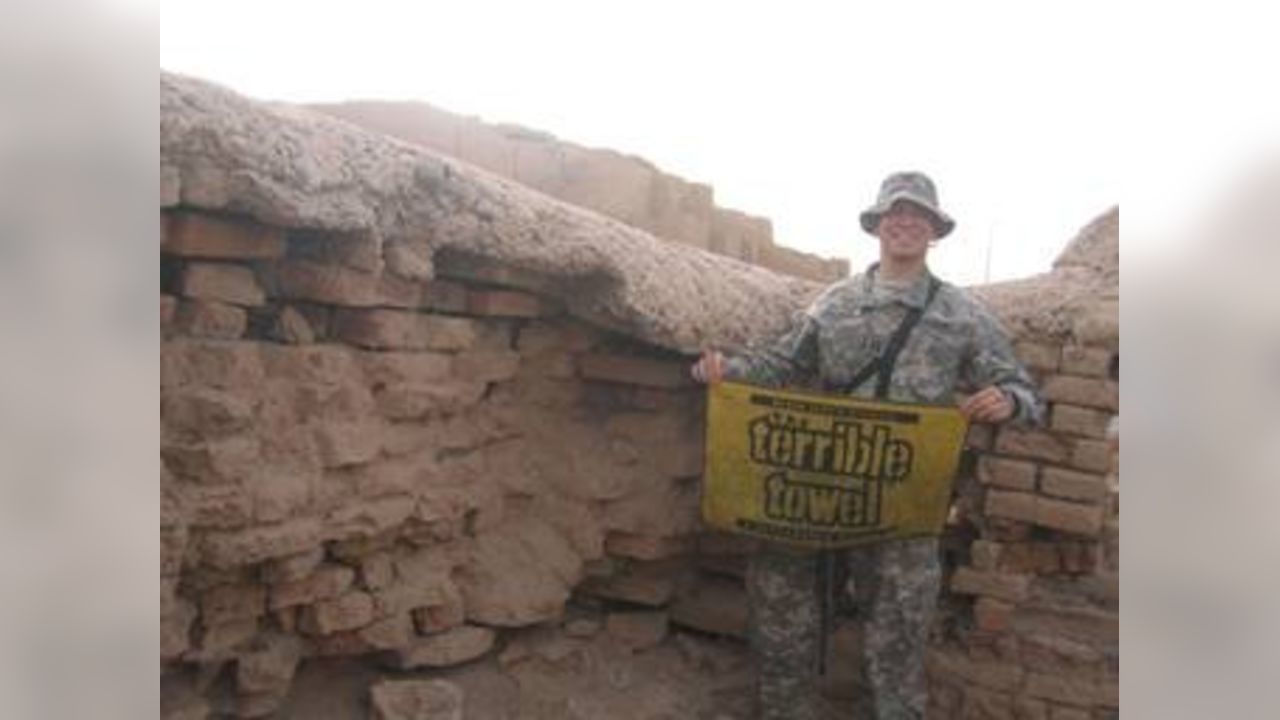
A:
(990, 404)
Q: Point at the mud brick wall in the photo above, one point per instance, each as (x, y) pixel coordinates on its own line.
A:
(359, 464)
(1032, 628)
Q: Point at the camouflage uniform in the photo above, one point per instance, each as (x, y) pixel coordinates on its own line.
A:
(957, 344)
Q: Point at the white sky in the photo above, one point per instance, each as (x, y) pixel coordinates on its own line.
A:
(793, 110)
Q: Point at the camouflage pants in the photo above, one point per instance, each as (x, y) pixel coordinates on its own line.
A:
(896, 586)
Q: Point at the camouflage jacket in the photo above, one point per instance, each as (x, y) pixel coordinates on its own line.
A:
(957, 346)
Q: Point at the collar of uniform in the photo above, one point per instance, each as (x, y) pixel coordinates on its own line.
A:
(915, 296)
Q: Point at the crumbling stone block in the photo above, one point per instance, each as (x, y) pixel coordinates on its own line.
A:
(221, 237)
(451, 647)
(324, 583)
(1002, 586)
(416, 700)
(224, 282)
(351, 611)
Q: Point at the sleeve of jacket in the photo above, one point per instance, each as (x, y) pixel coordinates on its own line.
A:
(788, 360)
(994, 363)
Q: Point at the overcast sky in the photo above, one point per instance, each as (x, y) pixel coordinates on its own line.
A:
(793, 110)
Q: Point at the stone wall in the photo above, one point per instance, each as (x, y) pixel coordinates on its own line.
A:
(356, 463)
(624, 187)
(407, 408)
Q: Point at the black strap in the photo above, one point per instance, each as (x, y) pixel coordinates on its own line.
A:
(883, 366)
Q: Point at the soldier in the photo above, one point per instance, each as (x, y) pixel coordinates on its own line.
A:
(896, 333)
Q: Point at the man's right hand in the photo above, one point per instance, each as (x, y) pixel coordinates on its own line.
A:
(709, 369)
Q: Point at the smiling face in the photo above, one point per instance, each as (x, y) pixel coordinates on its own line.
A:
(905, 232)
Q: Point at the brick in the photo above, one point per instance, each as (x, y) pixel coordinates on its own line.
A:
(1073, 485)
(209, 319)
(633, 370)
(1005, 473)
(218, 461)
(224, 365)
(446, 649)
(1076, 420)
(1038, 356)
(351, 611)
(392, 368)
(383, 329)
(325, 364)
(328, 284)
(412, 402)
(487, 365)
(225, 282)
(1002, 586)
(247, 547)
(1091, 456)
(1089, 392)
(403, 699)
(1086, 361)
(985, 555)
(293, 567)
(200, 235)
(217, 641)
(1068, 516)
(505, 303)
(1031, 444)
(479, 270)
(1011, 505)
(368, 518)
(439, 295)
(324, 583)
(219, 506)
(225, 603)
(389, 633)
(988, 674)
(348, 443)
(992, 615)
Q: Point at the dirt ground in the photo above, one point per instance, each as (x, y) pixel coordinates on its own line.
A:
(558, 672)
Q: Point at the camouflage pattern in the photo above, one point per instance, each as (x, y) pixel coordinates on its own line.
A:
(957, 344)
(784, 631)
(915, 187)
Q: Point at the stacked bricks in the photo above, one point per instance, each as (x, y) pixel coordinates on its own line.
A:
(1036, 633)
(360, 460)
